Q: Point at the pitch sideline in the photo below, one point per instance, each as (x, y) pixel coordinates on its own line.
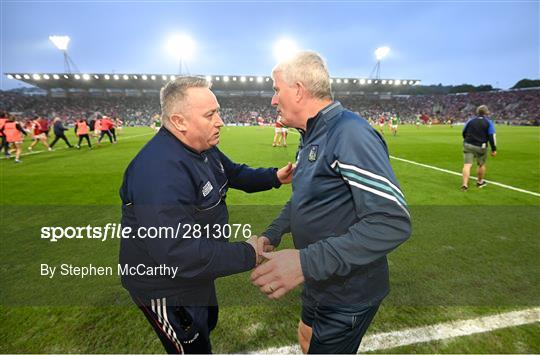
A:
(459, 174)
(472, 177)
(433, 332)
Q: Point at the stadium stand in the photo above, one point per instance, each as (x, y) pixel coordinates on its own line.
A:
(515, 107)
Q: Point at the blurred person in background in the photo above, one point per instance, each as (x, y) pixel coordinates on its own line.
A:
(14, 132)
(59, 130)
(82, 129)
(38, 135)
(478, 131)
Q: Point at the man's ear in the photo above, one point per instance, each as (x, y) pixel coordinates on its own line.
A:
(300, 91)
(178, 121)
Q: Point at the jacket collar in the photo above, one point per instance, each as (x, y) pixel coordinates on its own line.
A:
(325, 114)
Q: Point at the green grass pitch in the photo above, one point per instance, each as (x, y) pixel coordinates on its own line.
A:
(471, 254)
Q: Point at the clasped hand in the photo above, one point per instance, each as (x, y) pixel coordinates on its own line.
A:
(281, 271)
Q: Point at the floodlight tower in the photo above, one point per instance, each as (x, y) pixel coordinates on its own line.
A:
(284, 49)
(181, 47)
(380, 53)
(62, 42)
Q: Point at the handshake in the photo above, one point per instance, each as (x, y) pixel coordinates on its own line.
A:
(280, 273)
(261, 245)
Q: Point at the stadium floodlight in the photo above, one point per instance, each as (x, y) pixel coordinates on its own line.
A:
(36, 77)
(66, 76)
(9, 76)
(338, 81)
(250, 78)
(225, 78)
(125, 76)
(17, 76)
(86, 77)
(346, 81)
(411, 82)
(26, 76)
(46, 76)
(77, 76)
(259, 79)
(417, 82)
(331, 81)
(135, 77)
(116, 77)
(218, 78)
(362, 81)
(234, 78)
(284, 49)
(107, 76)
(390, 82)
(96, 76)
(369, 81)
(267, 79)
(172, 77)
(209, 78)
(182, 47)
(243, 79)
(56, 76)
(62, 42)
(380, 54)
(144, 77)
(397, 82)
(153, 77)
(383, 82)
(164, 77)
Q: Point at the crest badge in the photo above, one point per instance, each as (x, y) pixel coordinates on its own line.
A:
(313, 152)
(207, 188)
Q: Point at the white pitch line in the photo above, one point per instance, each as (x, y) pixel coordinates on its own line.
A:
(47, 151)
(472, 177)
(459, 174)
(434, 332)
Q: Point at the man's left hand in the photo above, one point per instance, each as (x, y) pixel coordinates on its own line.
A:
(280, 274)
(285, 174)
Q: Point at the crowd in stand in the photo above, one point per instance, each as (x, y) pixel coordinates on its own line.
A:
(513, 107)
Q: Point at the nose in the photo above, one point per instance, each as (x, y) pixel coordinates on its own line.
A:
(219, 122)
(274, 100)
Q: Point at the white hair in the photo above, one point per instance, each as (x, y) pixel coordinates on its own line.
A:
(309, 68)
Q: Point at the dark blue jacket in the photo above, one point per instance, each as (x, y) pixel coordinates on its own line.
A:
(168, 183)
(346, 212)
(478, 131)
(59, 128)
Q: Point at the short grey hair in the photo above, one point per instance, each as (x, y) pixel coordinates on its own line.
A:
(309, 68)
(173, 94)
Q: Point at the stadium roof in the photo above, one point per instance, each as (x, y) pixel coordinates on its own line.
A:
(152, 82)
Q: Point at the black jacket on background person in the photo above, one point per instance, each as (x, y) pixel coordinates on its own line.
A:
(167, 183)
(478, 131)
(59, 128)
